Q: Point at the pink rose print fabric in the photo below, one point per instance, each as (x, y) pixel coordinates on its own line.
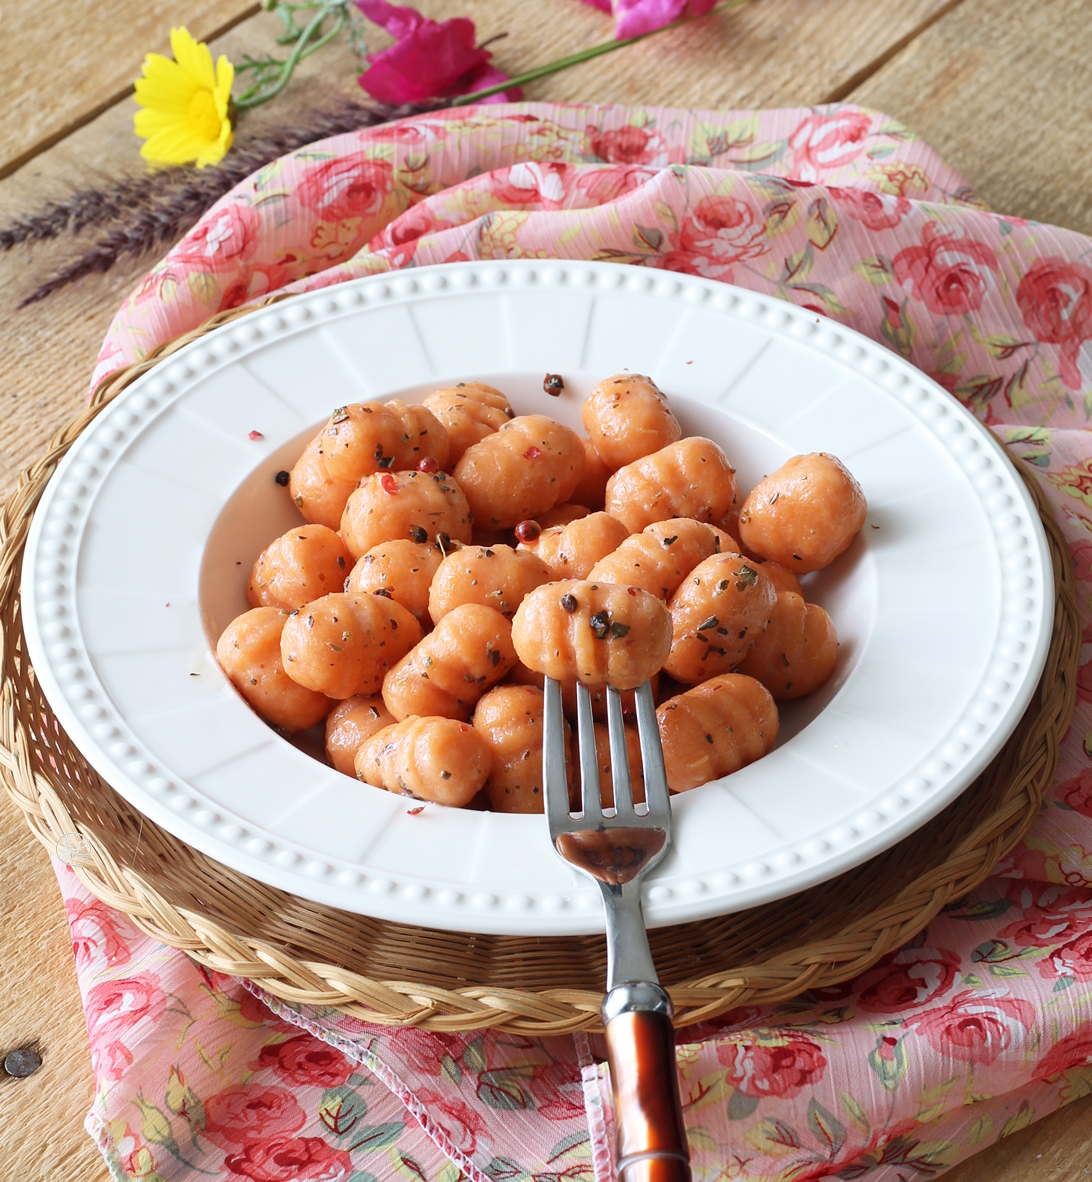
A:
(982, 1024)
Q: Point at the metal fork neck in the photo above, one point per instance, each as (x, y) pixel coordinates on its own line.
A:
(628, 955)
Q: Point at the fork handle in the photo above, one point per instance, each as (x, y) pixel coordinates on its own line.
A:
(647, 1109)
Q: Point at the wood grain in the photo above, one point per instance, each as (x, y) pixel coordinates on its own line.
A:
(987, 83)
(1003, 94)
(62, 65)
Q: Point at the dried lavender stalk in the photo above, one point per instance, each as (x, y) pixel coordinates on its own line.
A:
(149, 211)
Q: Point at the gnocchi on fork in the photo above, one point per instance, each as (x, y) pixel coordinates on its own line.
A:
(616, 851)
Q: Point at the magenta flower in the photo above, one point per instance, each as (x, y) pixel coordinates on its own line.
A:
(429, 59)
(633, 17)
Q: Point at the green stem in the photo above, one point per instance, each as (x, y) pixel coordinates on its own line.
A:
(299, 51)
(584, 55)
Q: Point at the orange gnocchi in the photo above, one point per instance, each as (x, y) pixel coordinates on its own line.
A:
(607, 559)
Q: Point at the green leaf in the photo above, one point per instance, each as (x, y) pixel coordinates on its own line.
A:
(856, 1113)
(451, 1069)
(832, 306)
(992, 951)
(1003, 346)
(876, 269)
(501, 1089)
(504, 1169)
(822, 223)
(1030, 435)
(567, 1144)
(1016, 388)
(1061, 984)
(759, 155)
(896, 326)
(798, 266)
(648, 236)
(889, 1062)
(340, 1109)
(740, 1106)
(980, 910)
(1004, 970)
(377, 1136)
(474, 1057)
(781, 214)
(826, 1127)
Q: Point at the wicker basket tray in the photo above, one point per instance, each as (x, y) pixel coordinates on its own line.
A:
(398, 975)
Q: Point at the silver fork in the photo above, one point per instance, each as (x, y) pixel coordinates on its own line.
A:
(616, 852)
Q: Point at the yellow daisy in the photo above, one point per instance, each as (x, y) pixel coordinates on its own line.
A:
(184, 119)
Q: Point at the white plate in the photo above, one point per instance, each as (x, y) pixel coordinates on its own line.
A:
(139, 552)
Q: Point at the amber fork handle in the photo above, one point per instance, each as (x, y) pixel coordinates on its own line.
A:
(647, 1110)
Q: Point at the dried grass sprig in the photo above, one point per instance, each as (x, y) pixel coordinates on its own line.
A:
(151, 211)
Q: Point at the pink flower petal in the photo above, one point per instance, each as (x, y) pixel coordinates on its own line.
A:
(603, 5)
(430, 60)
(632, 17)
(399, 22)
(486, 76)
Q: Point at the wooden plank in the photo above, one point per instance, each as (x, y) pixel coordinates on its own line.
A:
(768, 53)
(1056, 1149)
(41, 1136)
(63, 66)
(1006, 100)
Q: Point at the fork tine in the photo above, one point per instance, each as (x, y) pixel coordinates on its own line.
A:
(619, 757)
(591, 806)
(555, 782)
(652, 753)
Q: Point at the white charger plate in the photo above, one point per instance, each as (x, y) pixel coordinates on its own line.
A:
(140, 548)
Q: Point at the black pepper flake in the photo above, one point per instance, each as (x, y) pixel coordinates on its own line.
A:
(445, 775)
(553, 383)
(418, 534)
(784, 660)
(748, 576)
(341, 561)
(310, 621)
(671, 541)
(341, 413)
(773, 499)
(494, 658)
(489, 554)
(798, 558)
(709, 740)
(712, 622)
(721, 587)
(600, 624)
(568, 602)
(336, 647)
(384, 592)
(282, 478)
(385, 462)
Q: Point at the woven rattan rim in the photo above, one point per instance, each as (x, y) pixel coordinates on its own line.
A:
(405, 976)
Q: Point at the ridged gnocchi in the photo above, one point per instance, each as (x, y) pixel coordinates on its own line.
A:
(529, 550)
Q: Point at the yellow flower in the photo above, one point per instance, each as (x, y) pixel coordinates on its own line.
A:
(185, 104)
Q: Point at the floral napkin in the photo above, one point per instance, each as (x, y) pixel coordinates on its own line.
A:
(974, 1030)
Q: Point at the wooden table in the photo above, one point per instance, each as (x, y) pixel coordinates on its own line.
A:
(1000, 89)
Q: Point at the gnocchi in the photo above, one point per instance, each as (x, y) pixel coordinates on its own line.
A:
(805, 514)
(437, 759)
(715, 729)
(528, 466)
(601, 633)
(690, 478)
(417, 610)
